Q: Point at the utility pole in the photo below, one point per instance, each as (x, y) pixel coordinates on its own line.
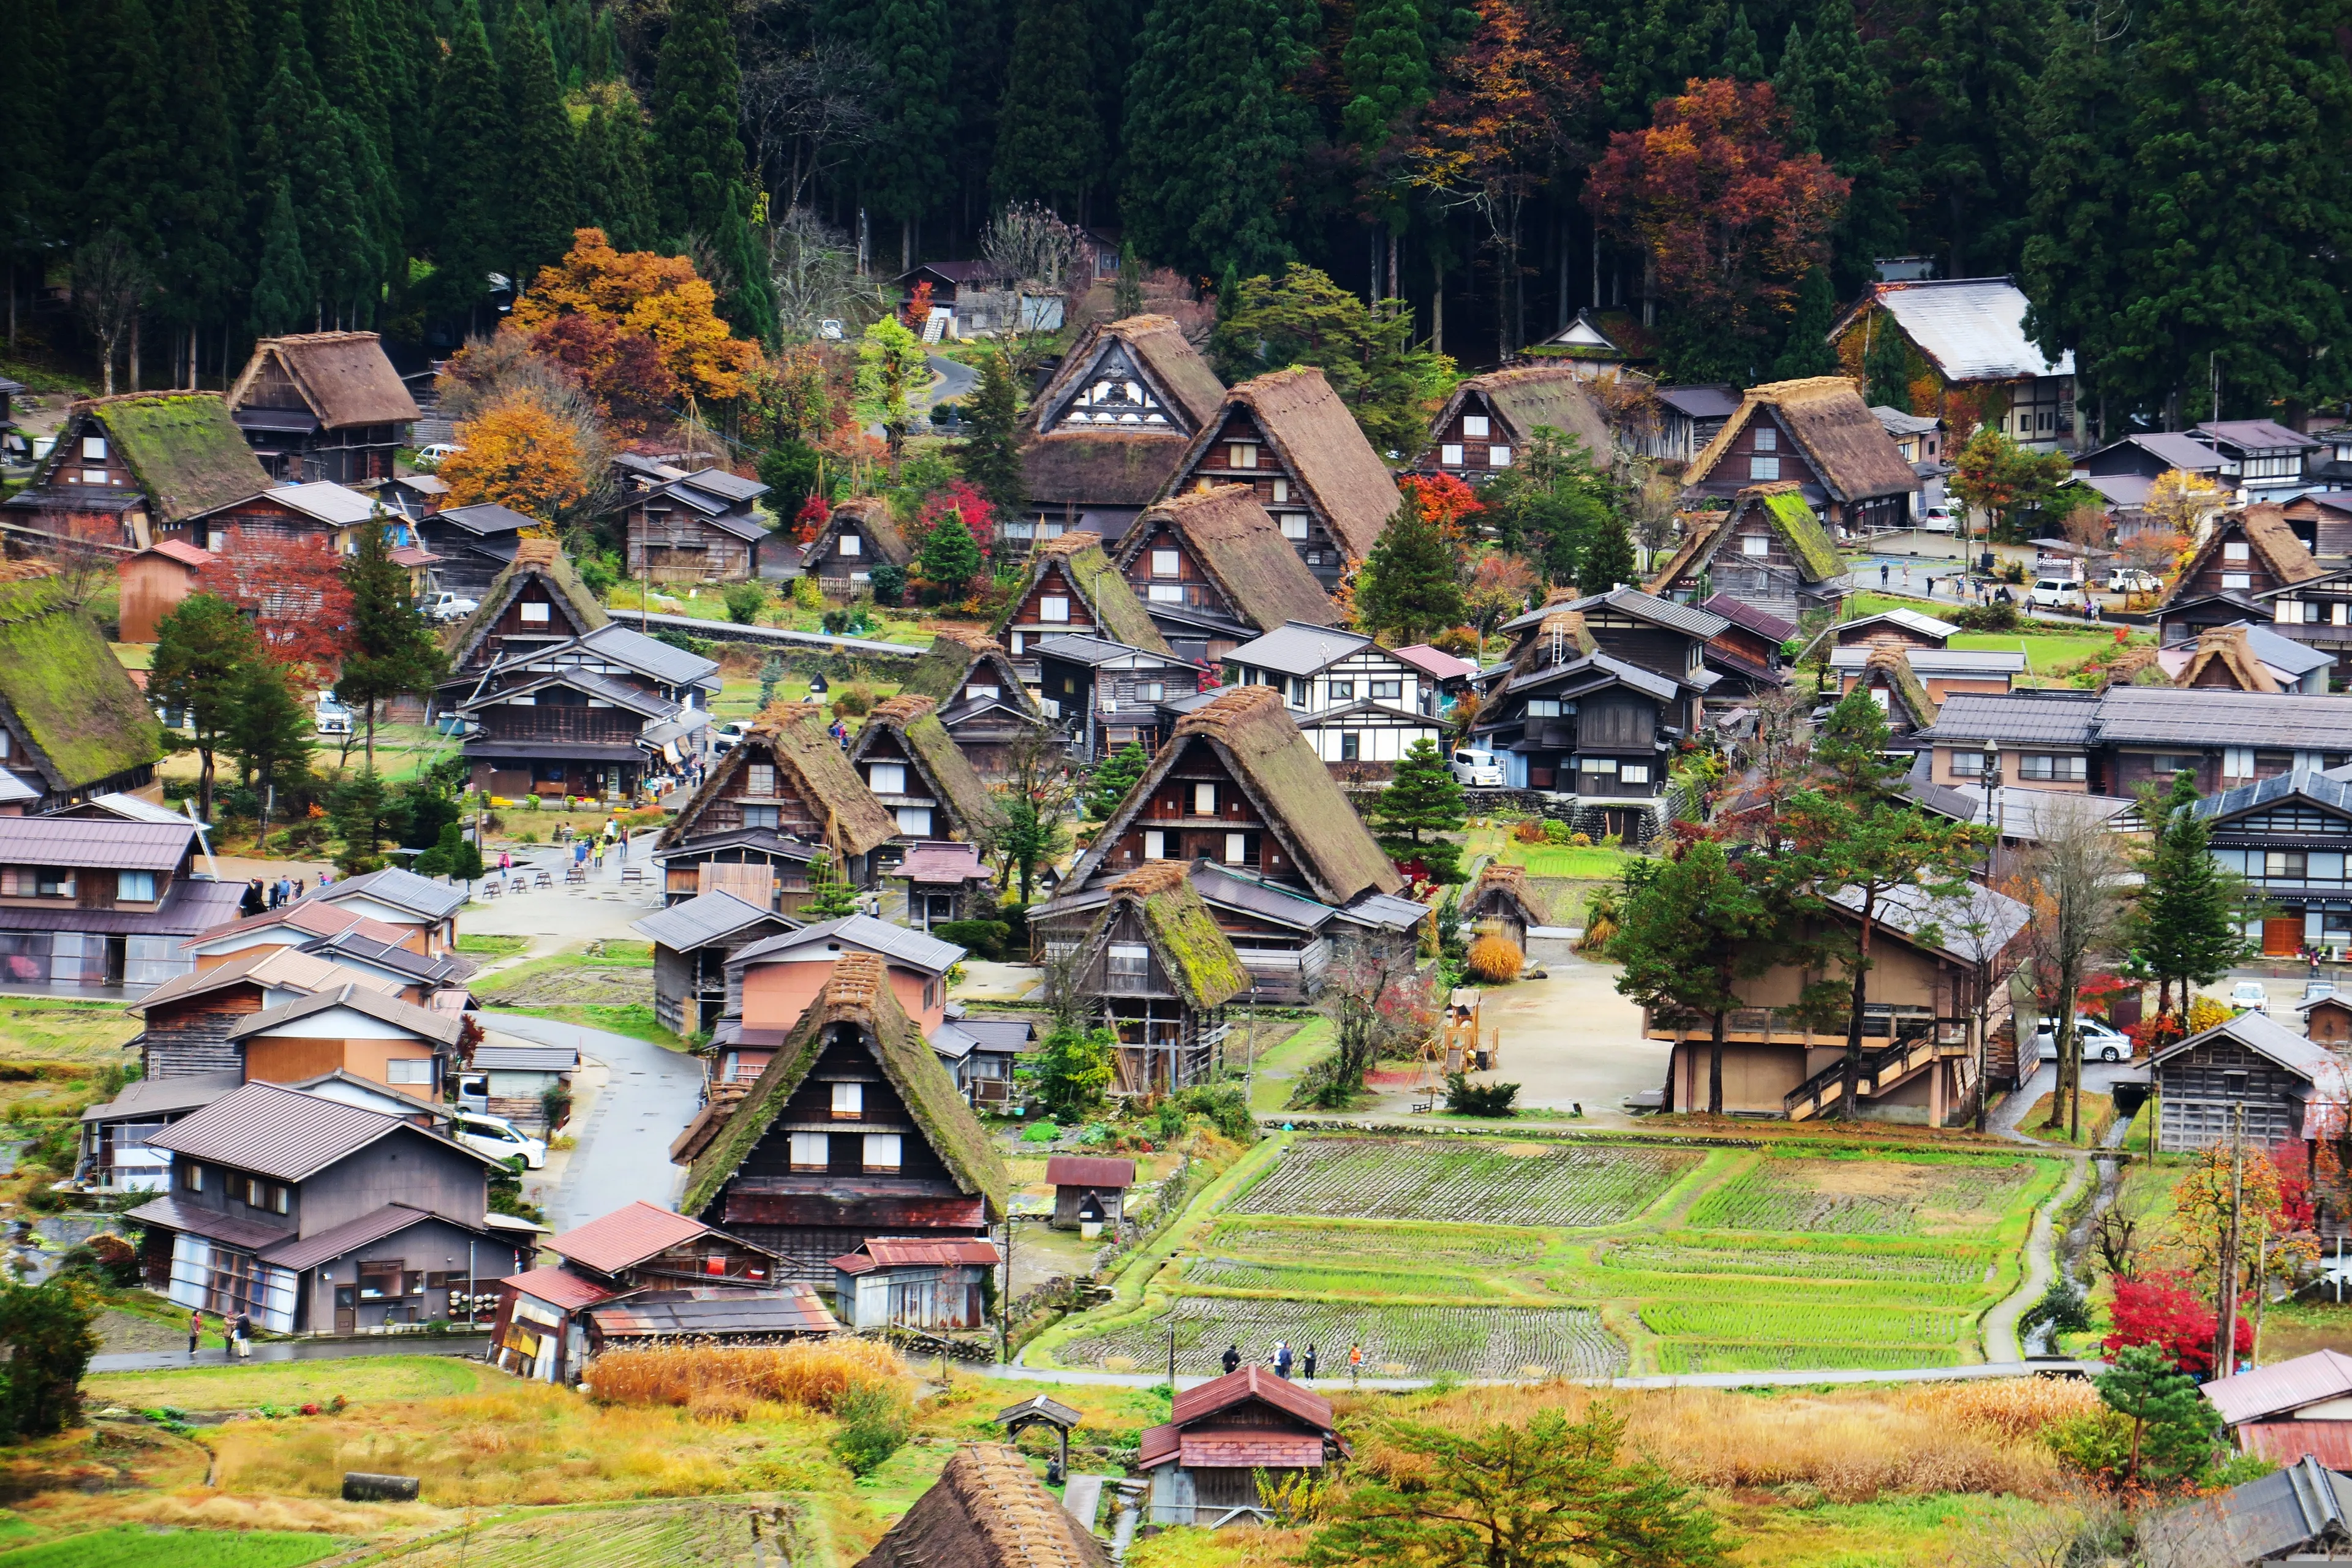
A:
(2225, 1332)
(1004, 1301)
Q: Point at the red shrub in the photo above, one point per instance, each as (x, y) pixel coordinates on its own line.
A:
(2160, 1310)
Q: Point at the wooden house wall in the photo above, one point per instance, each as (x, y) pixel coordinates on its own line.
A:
(1733, 472)
(1769, 581)
(1029, 620)
(529, 634)
(190, 1039)
(1278, 489)
(796, 815)
(1199, 590)
(2218, 571)
(1476, 461)
(2197, 1098)
(152, 588)
(839, 572)
(1185, 836)
(677, 546)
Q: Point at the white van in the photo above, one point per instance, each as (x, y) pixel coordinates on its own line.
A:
(2053, 593)
(1479, 770)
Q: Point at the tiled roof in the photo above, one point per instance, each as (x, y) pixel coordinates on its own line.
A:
(1913, 621)
(559, 1288)
(2155, 715)
(402, 890)
(308, 1252)
(1247, 1383)
(626, 1237)
(94, 843)
(1298, 647)
(520, 1057)
(2256, 435)
(733, 1314)
(286, 967)
(2039, 718)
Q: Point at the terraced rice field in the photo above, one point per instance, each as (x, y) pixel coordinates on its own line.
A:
(1864, 1197)
(1378, 1245)
(1782, 1323)
(1399, 1342)
(1568, 1185)
(1703, 1355)
(667, 1536)
(1963, 1267)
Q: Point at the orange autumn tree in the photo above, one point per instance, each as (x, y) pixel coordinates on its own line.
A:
(1727, 219)
(658, 298)
(520, 455)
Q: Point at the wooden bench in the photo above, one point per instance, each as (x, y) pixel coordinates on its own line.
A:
(575, 872)
(489, 890)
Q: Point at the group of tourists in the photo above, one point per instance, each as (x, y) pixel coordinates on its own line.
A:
(237, 1332)
(1282, 1358)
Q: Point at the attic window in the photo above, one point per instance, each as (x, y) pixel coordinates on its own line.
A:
(848, 1100)
(1755, 544)
(535, 613)
(2237, 550)
(1294, 524)
(1244, 455)
(1474, 427)
(1449, 454)
(1499, 457)
(881, 1151)
(1164, 563)
(759, 778)
(93, 448)
(1053, 607)
(1767, 438)
(810, 1151)
(1129, 958)
(887, 778)
(1763, 467)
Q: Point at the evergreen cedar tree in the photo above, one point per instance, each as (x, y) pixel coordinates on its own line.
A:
(1553, 507)
(1421, 797)
(991, 458)
(1517, 1495)
(1024, 836)
(1369, 356)
(392, 651)
(951, 558)
(1408, 586)
(831, 897)
(201, 649)
(364, 814)
(703, 181)
(540, 150)
(1690, 930)
(2182, 930)
(1113, 777)
(453, 855)
(1608, 560)
(270, 733)
(2172, 1424)
(51, 1331)
(1049, 140)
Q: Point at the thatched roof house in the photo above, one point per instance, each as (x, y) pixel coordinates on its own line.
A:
(963, 661)
(1197, 958)
(1105, 434)
(537, 600)
(1216, 555)
(1769, 550)
(937, 1177)
(343, 378)
(788, 779)
(987, 1509)
(1501, 894)
(140, 464)
(2247, 551)
(74, 724)
(938, 793)
(860, 535)
(1074, 587)
(1819, 434)
(1485, 427)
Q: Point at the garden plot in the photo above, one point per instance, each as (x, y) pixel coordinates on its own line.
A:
(1964, 1266)
(1399, 1342)
(1864, 1197)
(1370, 1246)
(1568, 1186)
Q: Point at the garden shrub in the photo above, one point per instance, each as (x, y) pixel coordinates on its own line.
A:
(744, 602)
(1556, 832)
(1225, 1107)
(806, 595)
(983, 939)
(1993, 617)
(1529, 830)
(856, 702)
(876, 1422)
(1466, 1099)
(1496, 959)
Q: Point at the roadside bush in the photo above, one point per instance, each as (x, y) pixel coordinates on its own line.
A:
(1225, 1107)
(984, 939)
(854, 701)
(1985, 618)
(745, 601)
(876, 1422)
(1463, 1097)
(50, 1335)
(1496, 959)
(1559, 833)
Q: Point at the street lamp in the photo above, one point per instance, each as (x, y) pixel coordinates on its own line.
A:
(1991, 773)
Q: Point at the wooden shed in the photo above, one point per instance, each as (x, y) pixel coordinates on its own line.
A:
(2327, 1019)
(1501, 896)
(2289, 1086)
(1088, 1190)
(1160, 971)
(1227, 1437)
(154, 582)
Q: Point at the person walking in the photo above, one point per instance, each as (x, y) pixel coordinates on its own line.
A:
(1882, 573)
(1308, 1367)
(1282, 1360)
(1356, 1362)
(596, 856)
(244, 1328)
(620, 848)
(1232, 1361)
(195, 1331)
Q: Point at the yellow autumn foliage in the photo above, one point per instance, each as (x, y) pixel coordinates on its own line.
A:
(658, 296)
(520, 455)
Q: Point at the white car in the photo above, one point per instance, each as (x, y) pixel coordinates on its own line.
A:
(2249, 996)
(499, 1138)
(429, 457)
(2054, 592)
(448, 606)
(1938, 519)
(2127, 580)
(328, 716)
(729, 736)
(2100, 1041)
(1479, 770)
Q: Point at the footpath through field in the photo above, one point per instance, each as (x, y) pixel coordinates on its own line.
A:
(297, 1350)
(1774, 1379)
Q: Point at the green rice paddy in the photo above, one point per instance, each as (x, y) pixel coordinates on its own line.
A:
(1479, 1258)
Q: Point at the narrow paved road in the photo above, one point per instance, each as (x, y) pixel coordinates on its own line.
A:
(296, 1350)
(623, 1148)
(955, 379)
(1790, 1379)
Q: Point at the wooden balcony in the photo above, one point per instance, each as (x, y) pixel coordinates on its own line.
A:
(1781, 1026)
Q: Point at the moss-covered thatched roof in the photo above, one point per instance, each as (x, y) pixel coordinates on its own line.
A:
(946, 667)
(1096, 582)
(186, 453)
(1500, 885)
(1893, 666)
(1198, 956)
(72, 697)
(914, 722)
(793, 737)
(544, 560)
(1808, 541)
(857, 993)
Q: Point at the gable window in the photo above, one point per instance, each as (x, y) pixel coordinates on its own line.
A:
(1763, 467)
(1242, 455)
(1282, 489)
(1755, 544)
(135, 886)
(1053, 607)
(2237, 550)
(1165, 562)
(1474, 427)
(759, 778)
(1237, 849)
(1155, 844)
(1128, 958)
(1449, 453)
(535, 613)
(849, 1100)
(1165, 593)
(849, 545)
(1388, 690)
(1499, 457)
(915, 821)
(93, 476)
(2237, 579)
(762, 816)
(810, 1151)
(1204, 800)
(93, 448)
(1767, 438)
(1294, 524)
(887, 778)
(881, 1151)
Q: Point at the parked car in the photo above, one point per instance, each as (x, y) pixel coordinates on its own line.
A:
(1479, 770)
(2127, 580)
(430, 456)
(499, 1138)
(2053, 593)
(328, 716)
(729, 736)
(2312, 990)
(2249, 996)
(2101, 1043)
(448, 606)
(1939, 519)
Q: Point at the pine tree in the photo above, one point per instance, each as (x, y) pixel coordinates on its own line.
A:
(1210, 129)
(830, 897)
(1689, 931)
(270, 733)
(980, 43)
(392, 651)
(469, 162)
(1408, 586)
(1807, 350)
(615, 194)
(2074, 271)
(700, 168)
(1838, 103)
(2172, 1424)
(1386, 62)
(1422, 797)
(350, 89)
(992, 457)
(2183, 930)
(1113, 777)
(363, 814)
(283, 294)
(1608, 561)
(202, 272)
(1743, 57)
(1887, 367)
(1049, 144)
(126, 160)
(951, 559)
(539, 174)
(772, 674)
(201, 650)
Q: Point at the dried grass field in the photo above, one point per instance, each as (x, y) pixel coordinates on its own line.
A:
(1492, 1258)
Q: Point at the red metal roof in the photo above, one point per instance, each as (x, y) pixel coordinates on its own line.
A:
(1089, 1171)
(1252, 1382)
(1157, 1444)
(942, 863)
(1246, 1449)
(626, 1237)
(179, 550)
(887, 1252)
(2288, 1386)
(2329, 1442)
(557, 1288)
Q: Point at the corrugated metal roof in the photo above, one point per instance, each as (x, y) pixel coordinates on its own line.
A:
(1295, 648)
(626, 1237)
(363, 998)
(1973, 329)
(733, 1314)
(719, 482)
(310, 1251)
(2322, 1067)
(173, 1215)
(2281, 1387)
(1899, 423)
(2333, 788)
(559, 1288)
(948, 1042)
(1246, 1383)
(999, 1034)
(14, 790)
(2284, 1442)
(486, 518)
(624, 645)
(1089, 1171)
(282, 1132)
(1912, 621)
(1700, 402)
(130, 808)
(1740, 613)
(2159, 715)
(702, 918)
(942, 863)
(326, 500)
(2039, 717)
(2306, 1505)
(401, 889)
(899, 1251)
(94, 843)
(1969, 924)
(853, 932)
(2256, 435)
(1437, 662)
(1214, 883)
(1386, 910)
(286, 968)
(518, 1058)
(165, 1097)
(1942, 661)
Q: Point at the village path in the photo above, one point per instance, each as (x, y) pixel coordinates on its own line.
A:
(294, 1350)
(955, 379)
(622, 1154)
(1780, 1379)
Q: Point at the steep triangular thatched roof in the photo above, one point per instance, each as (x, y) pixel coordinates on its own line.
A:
(345, 378)
(1253, 733)
(186, 455)
(793, 736)
(1560, 637)
(1499, 886)
(1241, 548)
(1891, 666)
(63, 687)
(1783, 504)
(2225, 652)
(948, 666)
(987, 1510)
(1541, 396)
(1839, 437)
(1320, 442)
(1071, 466)
(915, 721)
(2262, 527)
(1178, 376)
(1116, 609)
(539, 560)
(871, 514)
(857, 993)
(1197, 956)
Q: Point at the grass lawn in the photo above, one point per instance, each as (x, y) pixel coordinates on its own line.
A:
(2049, 649)
(36, 1028)
(1279, 1065)
(142, 1546)
(711, 606)
(364, 1380)
(2098, 1116)
(481, 946)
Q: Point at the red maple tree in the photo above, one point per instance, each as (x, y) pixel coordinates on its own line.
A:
(292, 586)
(622, 371)
(1729, 219)
(2160, 1309)
(1445, 501)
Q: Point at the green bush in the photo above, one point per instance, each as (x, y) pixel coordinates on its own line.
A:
(1226, 1107)
(1463, 1097)
(1985, 618)
(984, 939)
(745, 601)
(890, 584)
(806, 595)
(876, 1422)
(1040, 1132)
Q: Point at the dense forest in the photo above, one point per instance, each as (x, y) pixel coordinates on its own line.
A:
(2164, 176)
